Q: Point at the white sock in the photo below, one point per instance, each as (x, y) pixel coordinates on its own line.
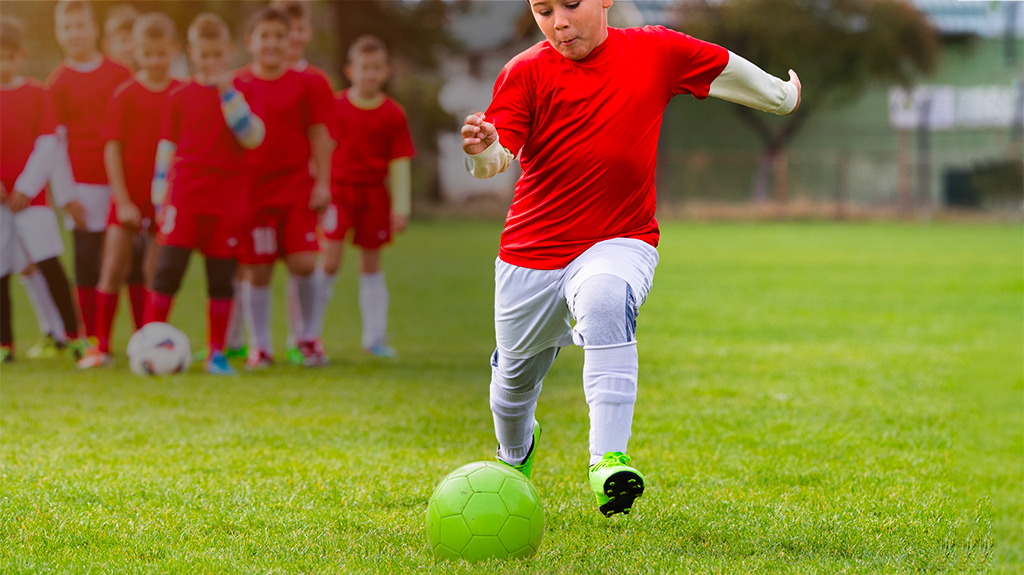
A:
(306, 296)
(325, 293)
(45, 309)
(515, 387)
(610, 382)
(256, 307)
(373, 306)
(293, 308)
(235, 336)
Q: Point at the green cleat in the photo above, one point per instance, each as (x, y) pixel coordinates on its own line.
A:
(615, 484)
(294, 356)
(45, 348)
(78, 347)
(236, 352)
(6, 354)
(526, 467)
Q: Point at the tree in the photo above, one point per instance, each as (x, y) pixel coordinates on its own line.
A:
(838, 48)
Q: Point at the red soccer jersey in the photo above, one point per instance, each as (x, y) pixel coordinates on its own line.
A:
(369, 140)
(289, 106)
(208, 174)
(25, 114)
(586, 133)
(134, 118)
(80, 100)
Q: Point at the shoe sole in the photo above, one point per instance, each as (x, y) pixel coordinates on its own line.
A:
(621, 489)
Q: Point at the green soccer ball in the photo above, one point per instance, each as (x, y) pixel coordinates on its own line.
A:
(484, 510)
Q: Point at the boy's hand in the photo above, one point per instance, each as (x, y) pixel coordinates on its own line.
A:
(795, 80)
(17, 201)
(129, 215)
(320, 197)
(221, 77)
(77, 213)
(398, 223)
(477, 135)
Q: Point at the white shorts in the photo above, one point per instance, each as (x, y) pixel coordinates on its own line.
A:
(39, 233)
(531, 312)
(12, 256)
(95, 198)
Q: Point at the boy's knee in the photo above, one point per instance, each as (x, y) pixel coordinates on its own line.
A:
(170, 268)
(511, 373)
(605, 309)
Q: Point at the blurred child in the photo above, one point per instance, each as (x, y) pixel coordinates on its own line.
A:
(371, 188)
(80, 88)
(132, 132)
(286, 197)
(200, 187)
(118, 40)
(28, 146)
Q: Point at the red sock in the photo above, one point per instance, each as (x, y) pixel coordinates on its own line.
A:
(158, 307)
(220, 311)
(87, 304)
(106, 308)
(137, 293)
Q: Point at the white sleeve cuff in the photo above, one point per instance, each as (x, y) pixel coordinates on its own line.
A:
(37, 169)
(490, 162)
(744, 83)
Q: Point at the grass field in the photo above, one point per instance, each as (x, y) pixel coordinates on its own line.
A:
(813, 398)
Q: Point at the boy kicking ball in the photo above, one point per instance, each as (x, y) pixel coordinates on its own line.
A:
(582, 111)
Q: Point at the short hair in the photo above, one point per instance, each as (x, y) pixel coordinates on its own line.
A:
(12, 33)
(295, 9)
(208, 26)
(120, 18)
(65, 7)
(365, 45)
(267, 15)
(155, 26)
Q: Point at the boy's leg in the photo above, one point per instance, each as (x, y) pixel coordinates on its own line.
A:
(234, 338)
(137, 277)
(117, 259)
(219, 274)
(171, 264)
(6, 333)
(515, 387)
(88, 255)
(293, 317)
(326, 277)
(256, 299)
(46, 312)
(59, 289)
(301, 247)
(374, 300)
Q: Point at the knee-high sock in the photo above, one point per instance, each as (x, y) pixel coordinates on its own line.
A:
(158, 306)
(325, 293)
(217, 313)
(39, 297)
(515, 387)
(234, 338)
(610, 382)
(87, 305)
(256, 307)
(373, 306)
(306, 296)
(137, 296)
(293, 309)
(106, 310)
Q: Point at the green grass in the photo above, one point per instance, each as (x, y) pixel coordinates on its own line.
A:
(813, 398)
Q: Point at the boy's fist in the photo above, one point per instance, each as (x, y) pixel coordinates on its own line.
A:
(477, 135)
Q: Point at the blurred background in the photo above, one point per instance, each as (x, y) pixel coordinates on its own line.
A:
(911, 108)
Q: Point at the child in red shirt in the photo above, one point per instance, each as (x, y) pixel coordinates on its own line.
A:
(290, 181)
(371, 192)
(582, 111)
(132, 131)
(200, 187)
(118, 37)
(80, 88)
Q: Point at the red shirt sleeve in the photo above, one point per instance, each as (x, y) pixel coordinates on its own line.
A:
(170, 128)
(511, 107)
(321, 102)
(401, 141)
(693, 64)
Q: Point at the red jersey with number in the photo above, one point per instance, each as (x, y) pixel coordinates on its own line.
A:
(80, 100)
(134, 118)
(25, 114)
(208, 173)
(289, 105)
(370, 139)
(586, 133)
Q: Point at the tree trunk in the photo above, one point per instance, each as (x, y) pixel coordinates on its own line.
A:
(762, 177)
(780, 166)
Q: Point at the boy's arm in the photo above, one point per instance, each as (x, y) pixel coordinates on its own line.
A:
(247, 127)
(486, 156)
(400, 190)
(32, 180)
(322, 146)
(164, 155)
(128, 213)
(744, 83)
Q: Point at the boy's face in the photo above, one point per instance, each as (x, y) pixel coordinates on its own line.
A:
(209, 56)
(11, 60)
(300, 35)
(573, 27)
(154, 55)
(77, 34)
(121, 47)
(368, 72)
(268, 44)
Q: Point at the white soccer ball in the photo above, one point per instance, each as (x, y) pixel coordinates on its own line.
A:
(159, 349)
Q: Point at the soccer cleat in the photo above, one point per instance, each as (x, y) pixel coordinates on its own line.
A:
(217, 364)
(78, 348)
(526, 467)
(6, 354)
(615, 484)
(294, 356)
(382, 350)
(313, 354)
(95, 358)
(258, 359)
(236, 352)
(47, 347)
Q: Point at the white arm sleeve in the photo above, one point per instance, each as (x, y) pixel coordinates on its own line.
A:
(62, 181)
(37, 169)
(744, 83)
(492, 161)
